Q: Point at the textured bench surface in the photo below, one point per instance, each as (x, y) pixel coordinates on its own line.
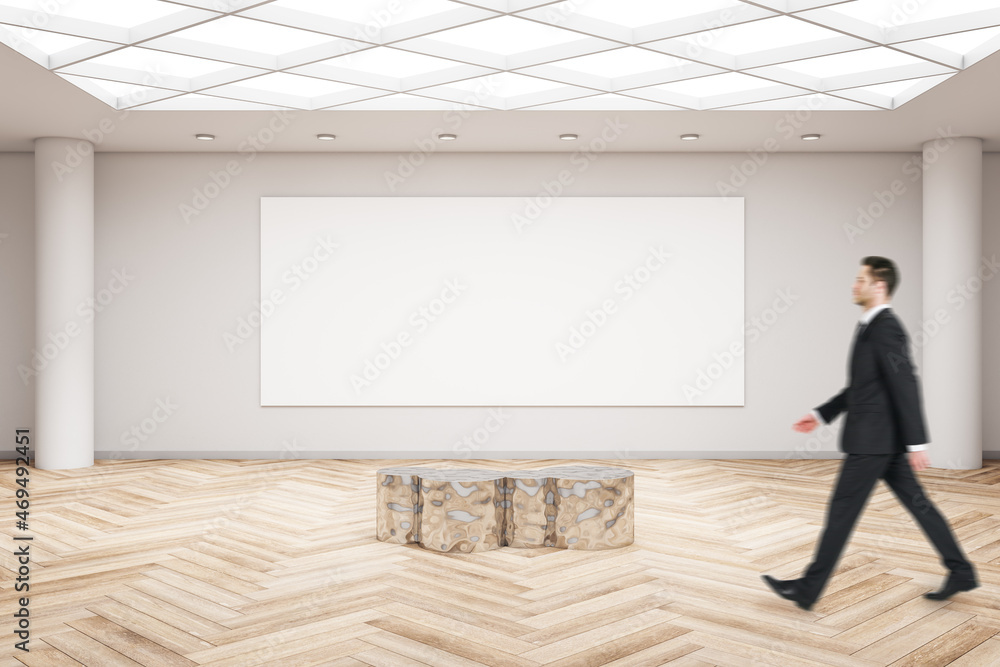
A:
(581, 472)
(476, 509)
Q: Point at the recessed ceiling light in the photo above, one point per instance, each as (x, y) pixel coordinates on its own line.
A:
(569, 137)
(204, 137)
(810, 137)
(326, 137)
(690, 137)
(447, 137)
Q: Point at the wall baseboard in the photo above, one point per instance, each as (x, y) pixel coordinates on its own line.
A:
(451, 455)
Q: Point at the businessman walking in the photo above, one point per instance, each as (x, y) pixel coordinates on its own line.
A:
(884, 436)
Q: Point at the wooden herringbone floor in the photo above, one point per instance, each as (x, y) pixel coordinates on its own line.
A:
(218, 562)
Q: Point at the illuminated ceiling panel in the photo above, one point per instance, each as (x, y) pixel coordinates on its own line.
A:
(503, 54)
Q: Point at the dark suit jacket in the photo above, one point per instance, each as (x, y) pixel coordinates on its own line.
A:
(882, 397)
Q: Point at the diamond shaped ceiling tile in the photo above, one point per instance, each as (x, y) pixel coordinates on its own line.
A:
(804, 105)
(789, 6)
(199, 102)
(122, 21)
(507, 6)
(638, 21)
(959, 50)
(720, 90)
(406, 102)
(621, 69)
(119, 95)
(764, 42)
(373, 21)
(160, 69)
(227, 6)
(392, 69)
(891, 21)
(51, 49)
(253, 43)
(506, 43)
(852, 69)
(292, 90)
(892, 95)
(505, 91)
(606, 102)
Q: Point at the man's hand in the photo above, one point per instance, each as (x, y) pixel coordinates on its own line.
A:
(806, 424)
(919, 460)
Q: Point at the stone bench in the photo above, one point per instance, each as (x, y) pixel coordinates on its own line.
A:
(567, 507)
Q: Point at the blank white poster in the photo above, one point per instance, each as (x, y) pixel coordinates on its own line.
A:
(502, 301)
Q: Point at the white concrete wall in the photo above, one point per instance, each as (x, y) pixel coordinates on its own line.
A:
(17, 295)
(175, 287)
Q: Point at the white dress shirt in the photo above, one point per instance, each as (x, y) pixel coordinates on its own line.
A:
(866, 317)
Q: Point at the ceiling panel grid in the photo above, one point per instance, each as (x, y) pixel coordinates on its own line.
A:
(502, 54)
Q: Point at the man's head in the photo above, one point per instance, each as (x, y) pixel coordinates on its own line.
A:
(875, 282)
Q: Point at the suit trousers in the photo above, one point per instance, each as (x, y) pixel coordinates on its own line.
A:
(858, 475)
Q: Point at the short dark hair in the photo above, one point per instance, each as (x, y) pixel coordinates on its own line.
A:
(882, 268)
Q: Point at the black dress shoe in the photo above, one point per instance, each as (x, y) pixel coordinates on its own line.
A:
(789, 590)
(952, 586)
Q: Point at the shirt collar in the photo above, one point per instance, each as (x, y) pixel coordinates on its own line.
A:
(867, 316)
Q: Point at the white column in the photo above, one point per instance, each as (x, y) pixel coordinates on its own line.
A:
(952, 356)
(64, 278)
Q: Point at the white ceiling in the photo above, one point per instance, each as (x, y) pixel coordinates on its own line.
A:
(502, 54)
(957, 98)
